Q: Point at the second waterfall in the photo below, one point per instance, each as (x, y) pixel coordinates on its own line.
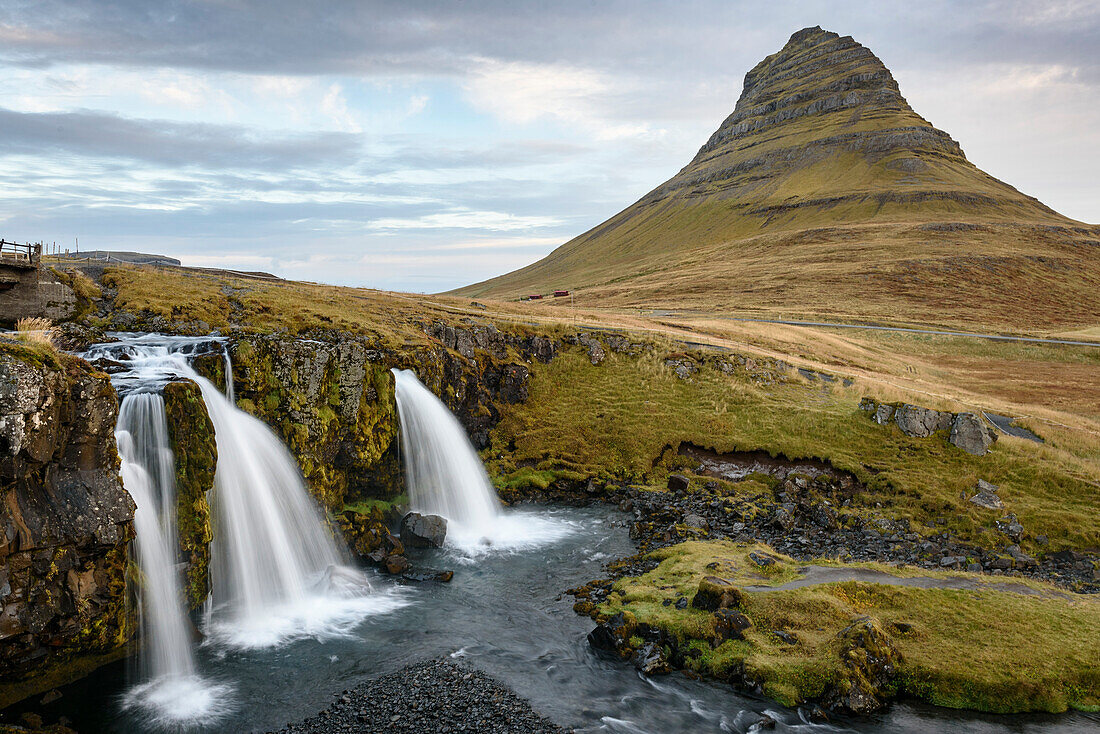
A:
(445, 477)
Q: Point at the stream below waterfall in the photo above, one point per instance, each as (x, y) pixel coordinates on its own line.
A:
(503, 613)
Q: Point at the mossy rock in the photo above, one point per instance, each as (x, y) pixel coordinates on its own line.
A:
(191, 434)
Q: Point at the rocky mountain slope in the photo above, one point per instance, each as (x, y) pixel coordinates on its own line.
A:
(826, 193)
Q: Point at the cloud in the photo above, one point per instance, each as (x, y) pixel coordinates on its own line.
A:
(523, 93)
(466, 219)
(446, 142)
(103, 134)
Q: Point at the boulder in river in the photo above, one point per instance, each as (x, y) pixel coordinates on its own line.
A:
(423, 531)
(650, 659)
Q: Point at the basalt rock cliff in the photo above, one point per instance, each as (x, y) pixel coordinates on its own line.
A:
(824, 192)
(65, 522)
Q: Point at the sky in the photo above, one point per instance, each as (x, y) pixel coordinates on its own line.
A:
(422, 146)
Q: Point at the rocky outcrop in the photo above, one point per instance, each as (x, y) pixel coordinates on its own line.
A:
(967, 431)
(66, 521)
(870, 663)
(196, 453)
(970, 434)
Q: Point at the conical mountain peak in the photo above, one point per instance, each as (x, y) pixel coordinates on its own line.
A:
(824, 189)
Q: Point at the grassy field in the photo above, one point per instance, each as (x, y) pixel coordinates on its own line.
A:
(988, 649)
(616, 419)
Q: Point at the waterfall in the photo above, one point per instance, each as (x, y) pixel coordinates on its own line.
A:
(445, 477)
(171, 691)
(277, 572)
(230, 395)
(276, 569)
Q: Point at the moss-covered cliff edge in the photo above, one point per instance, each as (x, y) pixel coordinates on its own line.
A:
(331, 399)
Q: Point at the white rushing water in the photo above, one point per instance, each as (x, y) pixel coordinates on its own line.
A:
(171, 691)
(277, 572)
(445, 477)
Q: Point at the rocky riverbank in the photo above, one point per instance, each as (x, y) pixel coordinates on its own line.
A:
(434, 696)
(808, 519)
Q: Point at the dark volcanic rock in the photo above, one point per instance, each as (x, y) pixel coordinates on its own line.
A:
(729, 624)
(716, 593)
(677, 482)
(436, 696)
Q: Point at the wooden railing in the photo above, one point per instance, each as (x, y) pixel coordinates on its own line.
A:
(20, 252)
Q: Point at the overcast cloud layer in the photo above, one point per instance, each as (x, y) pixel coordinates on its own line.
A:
(421, 146)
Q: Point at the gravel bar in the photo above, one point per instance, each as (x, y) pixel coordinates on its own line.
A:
(436, 696)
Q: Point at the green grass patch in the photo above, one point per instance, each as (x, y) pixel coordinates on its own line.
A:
(988, 650)
(617, 419)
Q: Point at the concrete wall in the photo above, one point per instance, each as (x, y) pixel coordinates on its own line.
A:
(32, 291)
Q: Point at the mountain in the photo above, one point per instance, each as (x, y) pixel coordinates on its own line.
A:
(826, 194)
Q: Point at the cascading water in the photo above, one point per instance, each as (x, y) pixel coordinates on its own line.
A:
(445, 477)
(172, 691)
(276, 571)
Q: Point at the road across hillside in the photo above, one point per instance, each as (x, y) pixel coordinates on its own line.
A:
(993, 337)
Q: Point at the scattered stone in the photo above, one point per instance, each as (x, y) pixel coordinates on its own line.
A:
(682, 368)
(761, 559)
(1011, 527)
(696, 521)
(423, 531)
(50, 697)
(987, 496)
(682, 603)
(788, 637)
(677, 482)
